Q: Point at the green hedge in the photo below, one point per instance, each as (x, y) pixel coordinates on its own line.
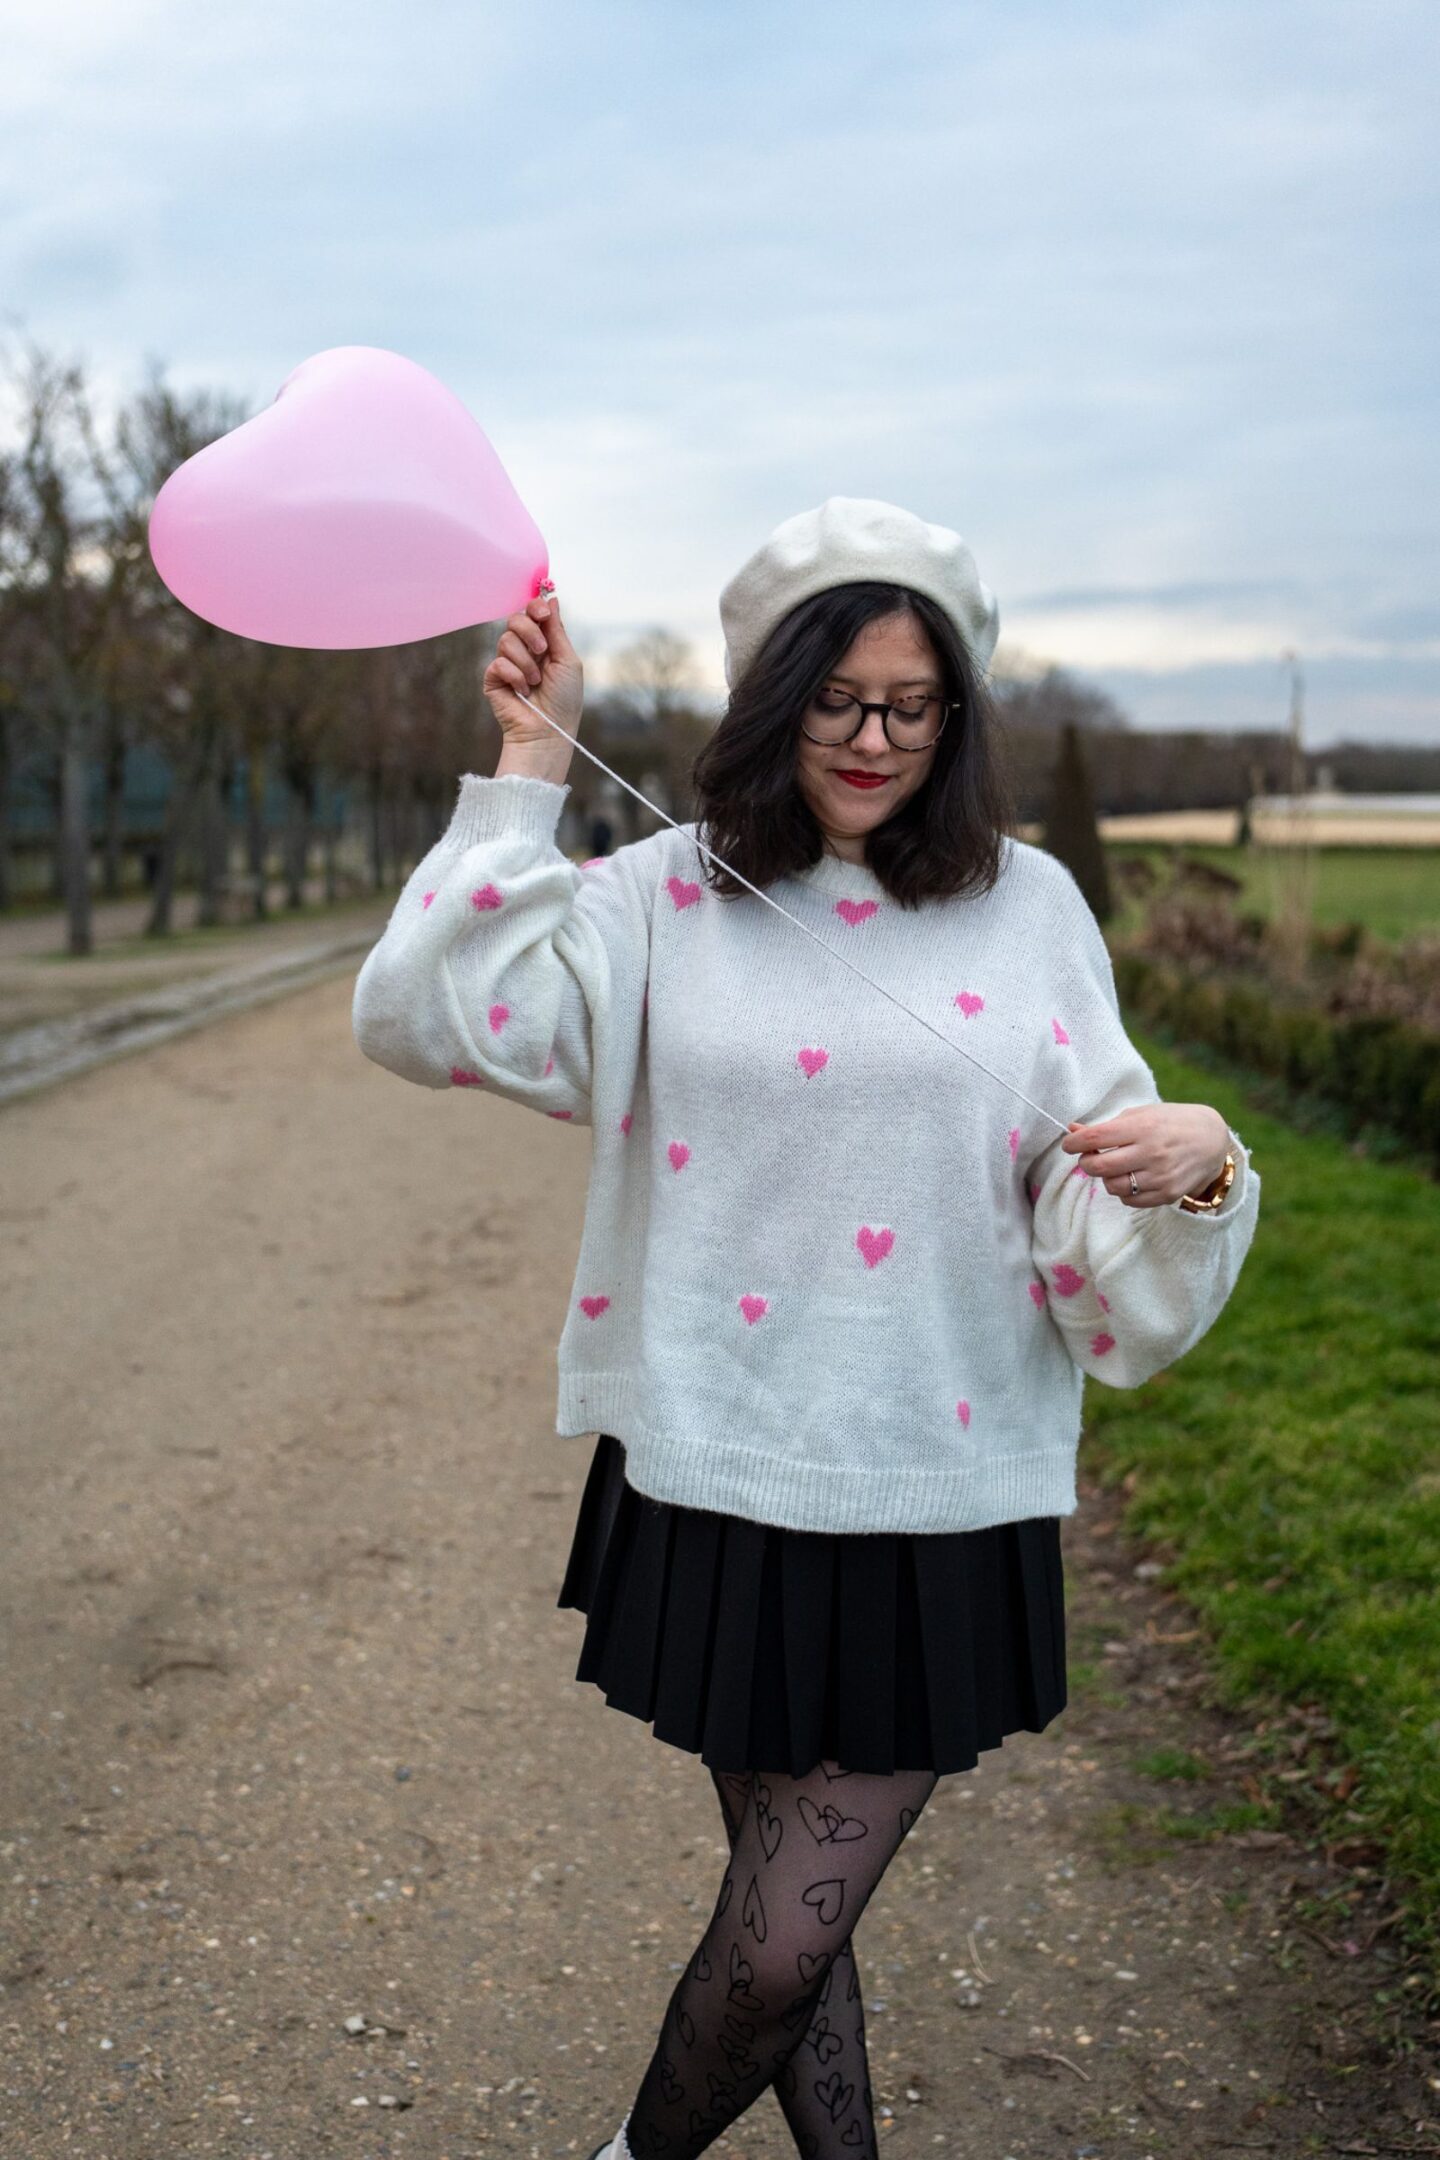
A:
(1375, 1070)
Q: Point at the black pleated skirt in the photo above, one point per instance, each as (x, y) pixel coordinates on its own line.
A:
(758, 1647)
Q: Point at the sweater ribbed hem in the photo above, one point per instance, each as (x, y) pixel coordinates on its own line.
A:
(733, 1479)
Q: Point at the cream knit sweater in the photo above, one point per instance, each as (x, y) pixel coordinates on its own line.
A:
(831, 1275)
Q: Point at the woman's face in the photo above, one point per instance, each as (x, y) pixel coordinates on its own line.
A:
(892, 657)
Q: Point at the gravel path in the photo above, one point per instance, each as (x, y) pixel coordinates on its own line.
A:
(292, 1737)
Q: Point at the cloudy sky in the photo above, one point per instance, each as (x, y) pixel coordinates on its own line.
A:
(1140, 298)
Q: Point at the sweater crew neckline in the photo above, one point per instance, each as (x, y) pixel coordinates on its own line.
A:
(832, 874)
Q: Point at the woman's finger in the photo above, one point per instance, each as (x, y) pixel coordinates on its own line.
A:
(519, 656)
(525, 631)
(1113, 1162)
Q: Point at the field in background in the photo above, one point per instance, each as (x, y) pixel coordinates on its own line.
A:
(1394, 892)
(1333, 829)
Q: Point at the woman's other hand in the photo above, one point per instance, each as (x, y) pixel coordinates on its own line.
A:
(1173, 1148)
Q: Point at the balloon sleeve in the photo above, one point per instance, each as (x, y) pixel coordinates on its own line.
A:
(1131, 1289)
(504, 967)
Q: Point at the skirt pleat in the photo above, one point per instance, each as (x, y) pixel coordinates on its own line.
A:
(684, 1655)
(807, 1607)
(942, 1583)
(865, 1649)
(759, 1647)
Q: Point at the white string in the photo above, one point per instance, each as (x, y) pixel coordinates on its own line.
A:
(948, 1040)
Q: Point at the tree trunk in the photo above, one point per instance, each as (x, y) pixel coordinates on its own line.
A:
(113, 839)
(376, 805)
(7, 883)
(162, 892)
(300, 811)
(179, 804)
(213, 837)
(255, 835)
(54, 786)
(75, 823)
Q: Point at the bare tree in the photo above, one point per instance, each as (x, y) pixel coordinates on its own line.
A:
(656, 673)
(1054, 700)
(656, 684)
(23, 713)
(61, 584)
(195, 683)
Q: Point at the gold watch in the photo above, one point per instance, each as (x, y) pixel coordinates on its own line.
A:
(1213, 1198)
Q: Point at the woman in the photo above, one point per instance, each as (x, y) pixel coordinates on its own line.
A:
(838, 1285)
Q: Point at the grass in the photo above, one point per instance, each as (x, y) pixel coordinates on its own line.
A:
(1291, 1462)
(1392, 890)
(1128, 1835)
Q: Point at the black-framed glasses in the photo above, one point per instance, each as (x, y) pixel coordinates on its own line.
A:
(910, 723)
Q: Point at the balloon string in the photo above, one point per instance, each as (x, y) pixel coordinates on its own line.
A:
(948, 1040)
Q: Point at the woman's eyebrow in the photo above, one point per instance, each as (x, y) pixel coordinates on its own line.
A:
(899, 684)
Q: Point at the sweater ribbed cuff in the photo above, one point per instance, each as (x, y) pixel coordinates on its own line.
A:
(1173, 1227)
(506, 806)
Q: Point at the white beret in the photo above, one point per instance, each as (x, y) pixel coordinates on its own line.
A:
(849, 539)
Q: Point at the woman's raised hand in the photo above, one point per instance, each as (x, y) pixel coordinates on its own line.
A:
(535, 656)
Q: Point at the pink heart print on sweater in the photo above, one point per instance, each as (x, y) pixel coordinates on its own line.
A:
(813, 1061)
(854, 911)
(487, 897)
(626, 1122)
(592, 1307)
(753, 1308)
(1067, 1280)
(679, 1154)
(962, 1411)
(1101, 1343)
(1060, 1035)
(499, 1014)
(970, 1004)
(1037, 1295)
(460, 1078)
(874, 1244)
(684, 895)
(428, 898)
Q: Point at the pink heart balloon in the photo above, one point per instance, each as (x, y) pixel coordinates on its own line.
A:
(363, 507)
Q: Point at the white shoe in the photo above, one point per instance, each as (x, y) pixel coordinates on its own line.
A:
(616, 2148)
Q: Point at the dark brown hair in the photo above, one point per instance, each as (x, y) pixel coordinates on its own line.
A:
(944, 839)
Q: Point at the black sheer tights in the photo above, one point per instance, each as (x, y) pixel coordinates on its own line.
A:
(772, 1994)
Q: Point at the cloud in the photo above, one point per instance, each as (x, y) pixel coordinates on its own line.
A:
(1137, 299)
